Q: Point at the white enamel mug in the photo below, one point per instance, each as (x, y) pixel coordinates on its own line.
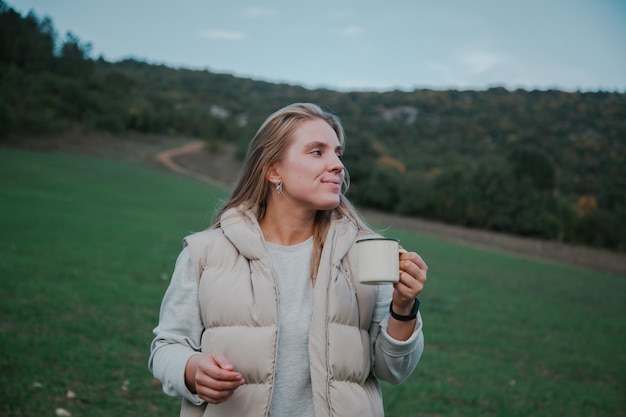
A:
(378, 260)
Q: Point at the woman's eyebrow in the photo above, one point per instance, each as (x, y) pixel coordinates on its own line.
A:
(316, 144)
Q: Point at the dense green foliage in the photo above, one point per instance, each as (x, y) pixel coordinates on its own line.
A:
(89, 244)
(547, 164)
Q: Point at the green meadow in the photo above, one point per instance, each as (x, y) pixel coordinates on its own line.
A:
(87, 247)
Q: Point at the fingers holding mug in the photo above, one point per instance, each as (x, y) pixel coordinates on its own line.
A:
(412, 274)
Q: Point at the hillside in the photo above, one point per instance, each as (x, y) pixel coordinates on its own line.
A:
(539, 164)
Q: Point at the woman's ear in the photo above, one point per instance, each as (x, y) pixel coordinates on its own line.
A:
(272, 174)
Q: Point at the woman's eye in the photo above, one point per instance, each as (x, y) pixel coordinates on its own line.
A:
(317, 152)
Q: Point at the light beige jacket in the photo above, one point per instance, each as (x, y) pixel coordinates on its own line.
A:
(239, 310)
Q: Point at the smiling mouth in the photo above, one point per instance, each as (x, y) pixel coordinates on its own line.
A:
(333, 186)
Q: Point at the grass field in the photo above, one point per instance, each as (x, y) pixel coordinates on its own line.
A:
(88, 245)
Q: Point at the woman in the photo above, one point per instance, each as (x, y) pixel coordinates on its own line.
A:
(264, 315)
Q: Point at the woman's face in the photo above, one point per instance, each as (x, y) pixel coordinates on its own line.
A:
(311, 170)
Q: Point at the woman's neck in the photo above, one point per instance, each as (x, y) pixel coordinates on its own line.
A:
(287, 228)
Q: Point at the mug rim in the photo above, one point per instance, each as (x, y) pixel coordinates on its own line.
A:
(377, 238)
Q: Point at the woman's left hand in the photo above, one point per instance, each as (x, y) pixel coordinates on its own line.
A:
(412, 279)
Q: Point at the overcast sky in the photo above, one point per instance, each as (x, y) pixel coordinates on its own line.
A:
(362, 44)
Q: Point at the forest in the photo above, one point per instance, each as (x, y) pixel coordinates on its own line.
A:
(547, 164)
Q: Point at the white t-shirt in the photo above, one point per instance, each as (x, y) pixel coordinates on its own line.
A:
(292, 394)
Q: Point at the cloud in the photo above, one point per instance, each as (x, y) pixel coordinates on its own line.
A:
(351, 31)
(254, 11)
(472, 68)
(480, 61)
(226, 35)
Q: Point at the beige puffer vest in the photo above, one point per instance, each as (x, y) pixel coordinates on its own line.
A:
(239, 310)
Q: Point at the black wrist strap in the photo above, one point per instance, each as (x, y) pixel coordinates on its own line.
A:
(412, 315)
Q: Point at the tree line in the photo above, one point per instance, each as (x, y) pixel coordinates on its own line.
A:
(547, 164)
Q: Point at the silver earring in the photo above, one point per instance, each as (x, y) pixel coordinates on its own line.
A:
(279, 186)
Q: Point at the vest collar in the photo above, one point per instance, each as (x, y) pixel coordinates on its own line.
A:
(242, 228)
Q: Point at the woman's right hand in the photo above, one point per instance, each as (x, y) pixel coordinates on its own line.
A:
(212, 377)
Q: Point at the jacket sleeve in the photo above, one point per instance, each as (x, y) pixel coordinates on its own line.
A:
(179, 331)
(393, 360)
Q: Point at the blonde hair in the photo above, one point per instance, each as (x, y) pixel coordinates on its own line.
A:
(268, 147)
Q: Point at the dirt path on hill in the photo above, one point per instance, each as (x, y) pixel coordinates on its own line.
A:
(221, 168)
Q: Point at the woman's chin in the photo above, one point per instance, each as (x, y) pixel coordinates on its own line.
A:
(329, 205)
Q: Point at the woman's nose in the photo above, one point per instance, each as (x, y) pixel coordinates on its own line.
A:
(336, 163)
